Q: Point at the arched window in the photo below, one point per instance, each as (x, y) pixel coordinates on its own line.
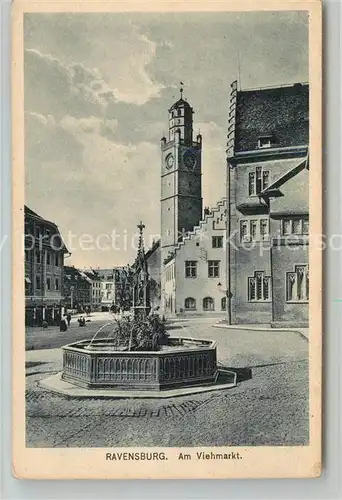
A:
(190, 303)
(224, 303)
(208, 304)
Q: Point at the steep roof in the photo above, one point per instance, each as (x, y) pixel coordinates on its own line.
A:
(154, 247)
(273, 188)
(181, 103)
(73, 274)
(290, 192)
(33, 215)
(281, 112)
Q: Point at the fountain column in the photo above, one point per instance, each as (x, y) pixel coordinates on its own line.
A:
(141, 292)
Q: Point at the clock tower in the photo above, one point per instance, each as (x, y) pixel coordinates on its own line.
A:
(181, 177)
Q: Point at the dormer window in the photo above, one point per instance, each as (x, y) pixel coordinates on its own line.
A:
(265, 141)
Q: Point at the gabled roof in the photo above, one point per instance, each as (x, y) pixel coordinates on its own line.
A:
(273, 189)
(155, 246)
(289, 195)
(33, 215)
(282, 112)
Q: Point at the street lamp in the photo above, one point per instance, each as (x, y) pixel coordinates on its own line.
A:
(72, 288)
(228, 295)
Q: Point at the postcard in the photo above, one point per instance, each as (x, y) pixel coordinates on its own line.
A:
(167, 239)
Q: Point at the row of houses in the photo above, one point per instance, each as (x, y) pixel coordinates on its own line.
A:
(52, 287)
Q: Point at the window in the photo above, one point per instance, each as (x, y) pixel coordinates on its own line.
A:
(48, 258)
(191, 269)
(257, 181)
(38, 283)
(297, 284)
(27, 256)
(305, 226)
(38, 257)
(213, 268)
(48, 283)
(56, 259)
(208, 304)
(264, 234)
(297, 226)
(190, 303)
(217, 241)
(251, 183)
(224, 304)
(244, 231)
(57, 284)
(264, 142)
(254, 230)
(254, 224)
(259, 287)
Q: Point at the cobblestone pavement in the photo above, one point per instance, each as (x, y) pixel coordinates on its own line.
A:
(269, 408)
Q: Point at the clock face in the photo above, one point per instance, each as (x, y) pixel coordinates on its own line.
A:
(190, 160)
(169, 161)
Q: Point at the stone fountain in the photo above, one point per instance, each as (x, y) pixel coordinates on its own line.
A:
(102, 363)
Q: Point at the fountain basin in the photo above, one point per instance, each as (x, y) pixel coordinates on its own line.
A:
(183, 362)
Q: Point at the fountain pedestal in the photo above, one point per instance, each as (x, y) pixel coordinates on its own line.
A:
(183, 362)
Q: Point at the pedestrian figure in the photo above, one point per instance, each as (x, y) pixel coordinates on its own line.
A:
(81, 321)
(68, 318)
(63, 326)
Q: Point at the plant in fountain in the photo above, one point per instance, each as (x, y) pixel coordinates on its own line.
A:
(134, 333)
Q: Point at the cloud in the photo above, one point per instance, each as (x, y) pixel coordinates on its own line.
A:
(54, 88)
(89, 124)
(97, 90)
(95, 185)
(45, 140)
(119, 49)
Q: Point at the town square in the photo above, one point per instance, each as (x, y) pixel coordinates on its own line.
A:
(166, 237)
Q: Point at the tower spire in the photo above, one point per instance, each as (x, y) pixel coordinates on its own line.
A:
(141, 261)
(181, 89)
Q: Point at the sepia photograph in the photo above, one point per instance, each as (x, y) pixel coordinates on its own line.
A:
(166, 234)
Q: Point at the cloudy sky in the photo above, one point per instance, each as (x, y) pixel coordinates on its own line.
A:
(97, 90)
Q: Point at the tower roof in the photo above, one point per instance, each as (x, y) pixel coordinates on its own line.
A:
(181, 103)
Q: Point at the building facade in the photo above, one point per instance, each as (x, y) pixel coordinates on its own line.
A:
(107, 288)
(44, 270)
(195, 274)
(115, 287)
(153, 259)
(77, 289)
(267, 220)
(96, 289)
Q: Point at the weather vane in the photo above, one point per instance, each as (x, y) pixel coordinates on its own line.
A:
(181, 89)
